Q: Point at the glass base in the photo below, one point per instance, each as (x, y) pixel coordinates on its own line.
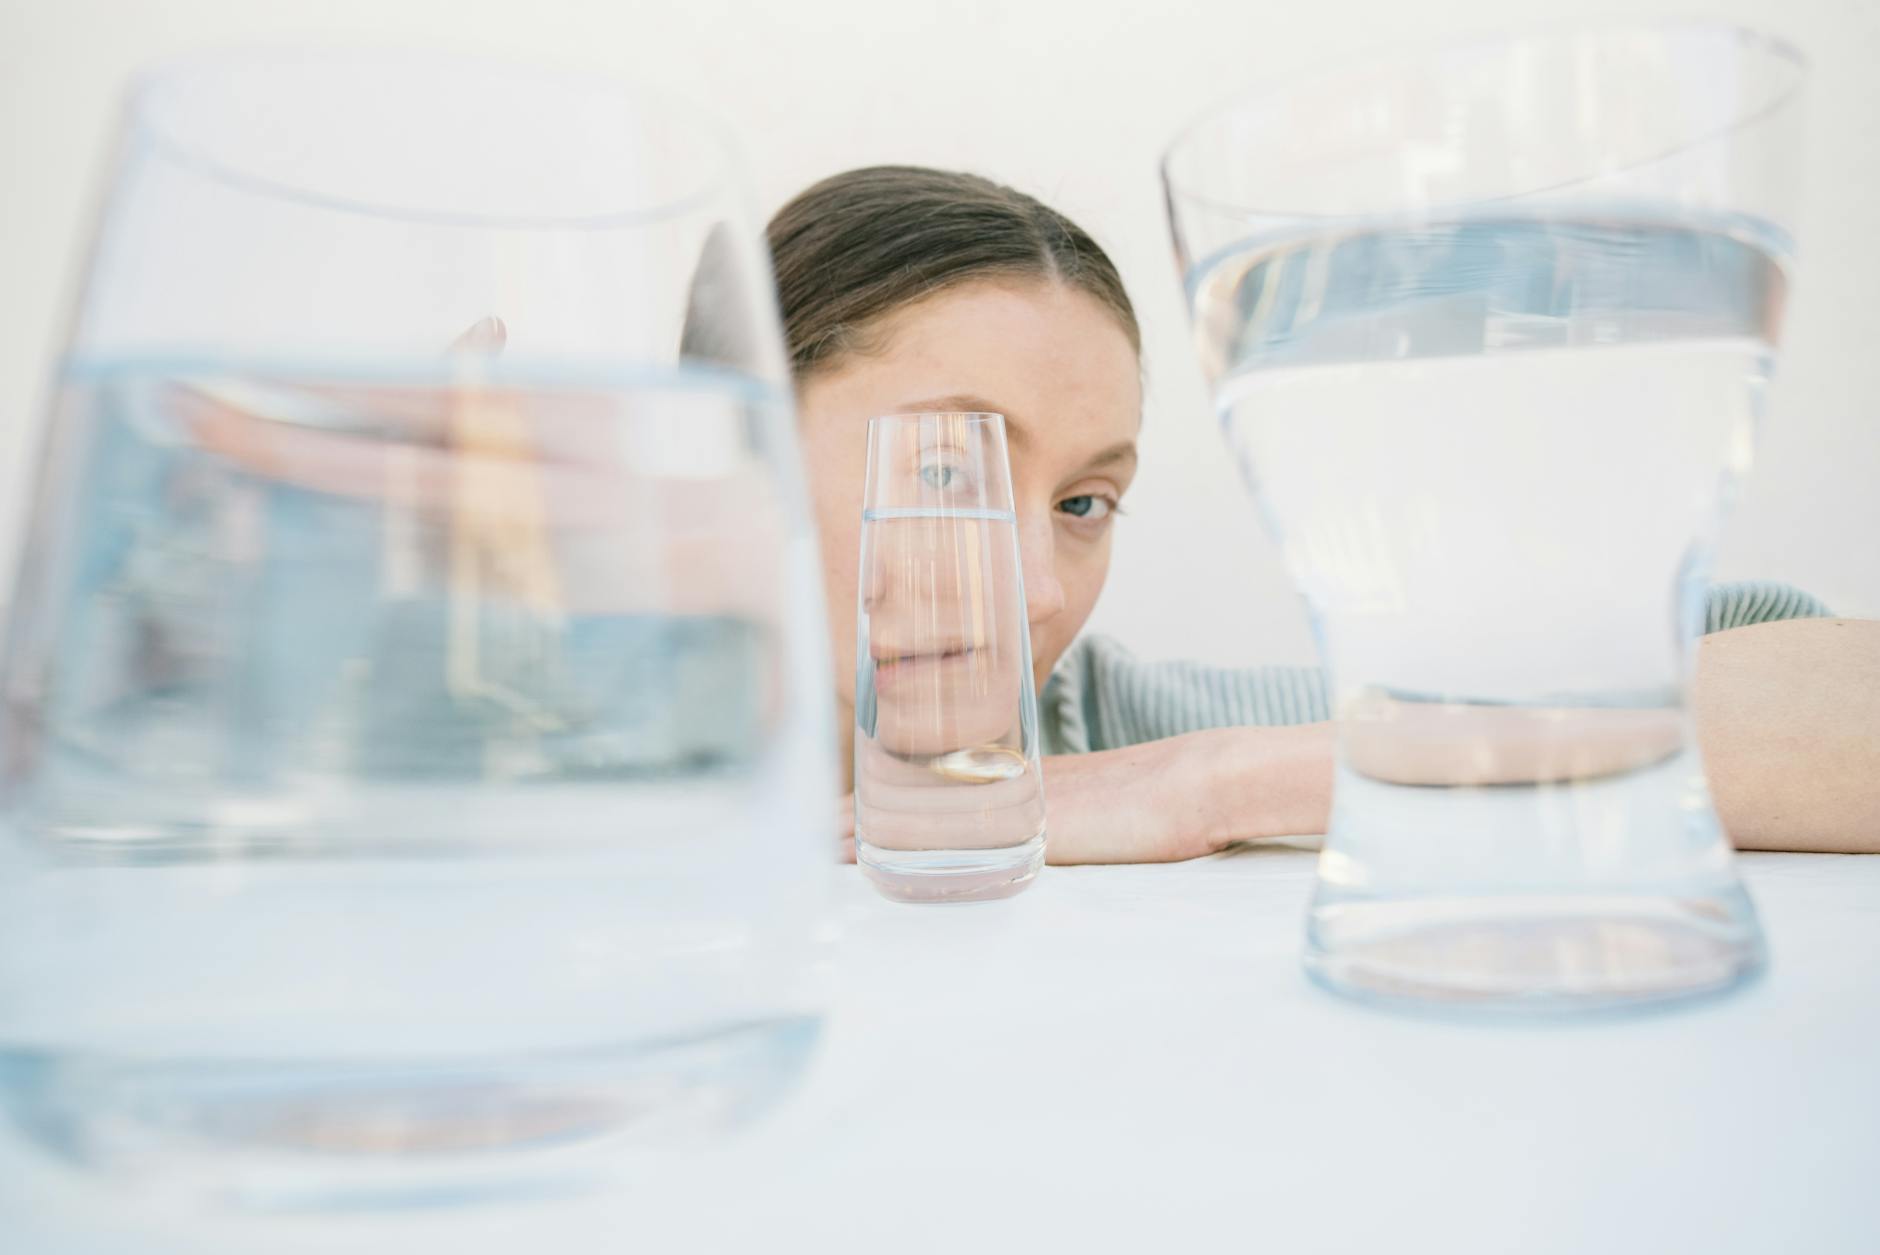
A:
(327, 1135)
(951, 875)
(1542, 955)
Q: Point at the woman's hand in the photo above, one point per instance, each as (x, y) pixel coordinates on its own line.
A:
(1164, 801)
(1187, 796)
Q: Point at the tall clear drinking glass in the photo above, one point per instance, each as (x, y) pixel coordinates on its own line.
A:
(949, 799)
(1491, 330)
(418, 743)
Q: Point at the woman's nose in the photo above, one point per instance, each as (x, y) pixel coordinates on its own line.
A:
(1044, 594)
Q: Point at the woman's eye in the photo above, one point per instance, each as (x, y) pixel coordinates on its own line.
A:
(1087, 507)
(938, 475)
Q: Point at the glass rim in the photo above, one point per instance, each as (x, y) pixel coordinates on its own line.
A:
(971, 416)
(1778, 49)
(141, 118)
(988, 445)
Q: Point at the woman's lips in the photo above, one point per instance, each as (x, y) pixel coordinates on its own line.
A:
(893, 670)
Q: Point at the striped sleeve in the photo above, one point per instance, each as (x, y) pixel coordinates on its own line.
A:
(1758, 601)
(1102, 697)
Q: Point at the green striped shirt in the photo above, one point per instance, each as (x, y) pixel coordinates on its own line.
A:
(1100, 697)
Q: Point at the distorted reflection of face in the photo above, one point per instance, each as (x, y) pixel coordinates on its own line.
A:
(1058, 365)
(940, 601)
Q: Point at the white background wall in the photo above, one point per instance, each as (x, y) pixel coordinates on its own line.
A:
(1071, 100)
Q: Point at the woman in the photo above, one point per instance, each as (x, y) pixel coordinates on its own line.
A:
(906, 289)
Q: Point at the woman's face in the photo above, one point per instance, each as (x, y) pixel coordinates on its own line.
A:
(1057, 364)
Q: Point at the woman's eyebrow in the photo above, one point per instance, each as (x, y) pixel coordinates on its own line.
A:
(1123, 451)
(966, 403)
(952, 403)
(969, 403)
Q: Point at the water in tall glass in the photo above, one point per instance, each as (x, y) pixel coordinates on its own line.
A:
(948, 799)
(1494, 450)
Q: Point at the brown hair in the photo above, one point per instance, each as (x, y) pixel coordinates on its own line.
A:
(858, 246)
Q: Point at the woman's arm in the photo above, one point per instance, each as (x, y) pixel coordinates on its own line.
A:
(1788, 717)
(1189, 795)
(1179, 797)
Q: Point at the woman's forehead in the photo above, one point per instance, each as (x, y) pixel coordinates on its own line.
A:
(1055, 434)
(1051, 359)
(1019, 312)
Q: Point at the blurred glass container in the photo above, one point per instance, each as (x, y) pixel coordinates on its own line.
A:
(418, 771)
(1490, 329)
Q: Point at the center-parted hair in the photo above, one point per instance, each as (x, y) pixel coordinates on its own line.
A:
(859, 246)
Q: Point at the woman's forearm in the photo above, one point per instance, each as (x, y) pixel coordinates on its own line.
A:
(1188, 795)
(1269, 782)
(1788, 717)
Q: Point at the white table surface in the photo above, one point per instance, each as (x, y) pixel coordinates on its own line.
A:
(1128, 1059)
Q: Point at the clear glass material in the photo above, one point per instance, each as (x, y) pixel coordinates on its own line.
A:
(418, 741)
(949, 798)
(1490, 330)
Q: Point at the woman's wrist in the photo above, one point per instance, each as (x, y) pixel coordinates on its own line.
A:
(1263, 782)
(1186, 796)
